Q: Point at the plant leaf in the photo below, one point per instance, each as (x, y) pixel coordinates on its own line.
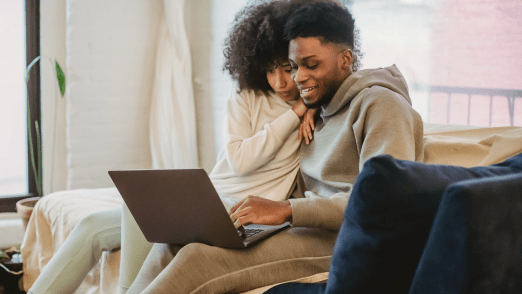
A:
(31, 150)
(38, 178)
(60, 76)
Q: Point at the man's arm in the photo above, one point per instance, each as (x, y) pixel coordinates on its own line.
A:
(315, 211)
(257, 210)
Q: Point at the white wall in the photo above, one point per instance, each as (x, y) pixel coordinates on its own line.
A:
(110, 61)
(107, 52)
(223, 12)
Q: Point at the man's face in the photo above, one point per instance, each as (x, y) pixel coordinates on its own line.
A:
(318, 70)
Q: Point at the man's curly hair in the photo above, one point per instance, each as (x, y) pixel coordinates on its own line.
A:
(256, 42)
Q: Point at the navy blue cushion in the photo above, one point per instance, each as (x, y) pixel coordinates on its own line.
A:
(387, 222)
(475, 243)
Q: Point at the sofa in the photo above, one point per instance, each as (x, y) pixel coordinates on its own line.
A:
(455, 145)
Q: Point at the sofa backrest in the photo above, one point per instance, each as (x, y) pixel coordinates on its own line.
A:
(470, 146)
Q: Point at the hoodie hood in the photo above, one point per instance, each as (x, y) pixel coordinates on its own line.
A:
(388, 77)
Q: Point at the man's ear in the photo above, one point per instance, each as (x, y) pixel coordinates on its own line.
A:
(347, 58)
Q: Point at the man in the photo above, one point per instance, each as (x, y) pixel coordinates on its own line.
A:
(363, 114)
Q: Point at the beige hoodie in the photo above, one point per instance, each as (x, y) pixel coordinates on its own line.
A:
(369, 115)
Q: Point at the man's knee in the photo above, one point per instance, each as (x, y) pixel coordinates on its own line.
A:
(195, 253)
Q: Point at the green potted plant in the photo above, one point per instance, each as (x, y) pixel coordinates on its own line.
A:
(25, 206)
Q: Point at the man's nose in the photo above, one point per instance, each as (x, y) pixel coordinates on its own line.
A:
(299, 75)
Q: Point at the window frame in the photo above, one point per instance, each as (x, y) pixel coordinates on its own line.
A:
(32, 39)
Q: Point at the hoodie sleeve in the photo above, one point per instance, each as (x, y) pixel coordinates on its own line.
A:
(246, 151)
(387, 124)
(315, 211)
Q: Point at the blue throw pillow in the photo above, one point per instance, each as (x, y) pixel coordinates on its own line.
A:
(475, 242)
(387, 222)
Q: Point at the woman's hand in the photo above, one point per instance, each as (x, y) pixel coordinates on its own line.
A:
(307, 127)
(257, 210)
(299, 107)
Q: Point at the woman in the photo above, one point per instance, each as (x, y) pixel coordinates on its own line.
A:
(263, 120)
(263, 134)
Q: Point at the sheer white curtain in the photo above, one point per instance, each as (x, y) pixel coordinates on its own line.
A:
(172, 125)
(173, 138)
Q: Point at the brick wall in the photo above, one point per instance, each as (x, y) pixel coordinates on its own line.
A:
(477, 44)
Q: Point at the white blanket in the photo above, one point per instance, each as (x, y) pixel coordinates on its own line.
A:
(53, 219)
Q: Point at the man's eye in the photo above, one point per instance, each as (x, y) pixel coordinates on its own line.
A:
(311, 66)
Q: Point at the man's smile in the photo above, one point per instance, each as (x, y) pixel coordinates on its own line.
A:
(304, 91)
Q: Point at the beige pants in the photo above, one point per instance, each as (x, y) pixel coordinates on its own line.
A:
(199, 268)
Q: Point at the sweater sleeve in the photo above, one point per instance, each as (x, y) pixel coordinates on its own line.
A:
(246, 151)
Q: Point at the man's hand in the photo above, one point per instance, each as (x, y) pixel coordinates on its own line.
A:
(257, 210)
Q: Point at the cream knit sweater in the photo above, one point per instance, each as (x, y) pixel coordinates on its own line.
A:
(260, 156)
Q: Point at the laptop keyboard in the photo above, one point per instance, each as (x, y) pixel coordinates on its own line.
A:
(249, 232)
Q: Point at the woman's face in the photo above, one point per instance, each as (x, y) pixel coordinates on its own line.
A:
(280, 79)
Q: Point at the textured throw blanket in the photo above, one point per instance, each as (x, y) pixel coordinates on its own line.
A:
(53, 219)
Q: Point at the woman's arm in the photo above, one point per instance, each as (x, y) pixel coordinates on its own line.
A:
(246, 151)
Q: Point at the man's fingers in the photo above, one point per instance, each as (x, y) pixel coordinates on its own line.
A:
(241, 212)
(235, 207)
(244, 220)
(237, 223)
(238, 205)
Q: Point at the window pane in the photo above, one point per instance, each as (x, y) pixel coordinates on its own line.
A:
(462, 59)
(13, 142)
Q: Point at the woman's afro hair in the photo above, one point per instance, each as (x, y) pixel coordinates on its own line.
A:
(256, 42)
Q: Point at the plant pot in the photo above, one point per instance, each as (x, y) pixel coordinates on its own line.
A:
(25, 208)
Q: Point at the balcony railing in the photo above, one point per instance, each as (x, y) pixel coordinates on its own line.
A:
(510, 94)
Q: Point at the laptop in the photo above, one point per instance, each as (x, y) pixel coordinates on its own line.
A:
(181, 206)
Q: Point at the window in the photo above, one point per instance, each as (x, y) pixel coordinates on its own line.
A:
(462, 59)
(19, 32)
